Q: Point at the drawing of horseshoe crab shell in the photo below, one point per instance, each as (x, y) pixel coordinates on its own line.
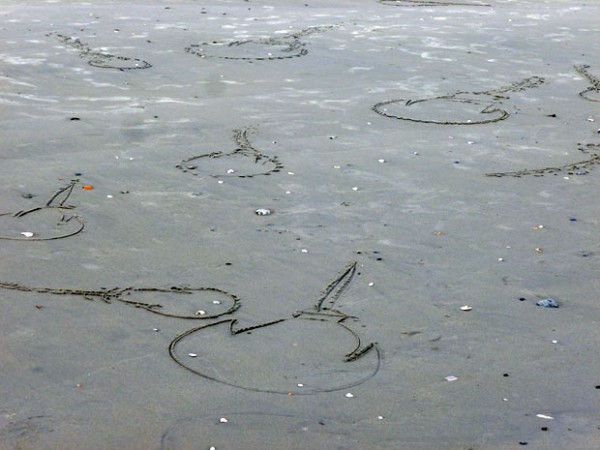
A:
(266, 49)
(315, 350)
(52, 220)
(458, 108)
(245, 161)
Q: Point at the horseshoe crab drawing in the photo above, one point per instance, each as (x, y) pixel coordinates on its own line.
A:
(102, 60)
(18, 226)
(591, 151)
(310, 352)
(176, 301)
(244, 162)
(268, 49)
(244, 430)
(468, 105)
(428, 3)
(582, 69)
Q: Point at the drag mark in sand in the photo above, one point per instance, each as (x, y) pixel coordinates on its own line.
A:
(577, 168)
(472, 104)
(16, 222)
(297, 355)
(102, 60)
(594, 81)
(211, 304)
(244, 162)
(268, 49)
(428, 3)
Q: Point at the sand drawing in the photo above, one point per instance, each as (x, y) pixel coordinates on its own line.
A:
(594, 81)
(428, 3)
(244, 162)
(312, 351)
(591, 151)
(177, 301)
(251, 429)
(102, 60)
(34, 224)
(459, 108)
(266, 49)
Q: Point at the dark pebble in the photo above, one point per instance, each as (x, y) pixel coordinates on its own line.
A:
(572, 219)
(74, 118)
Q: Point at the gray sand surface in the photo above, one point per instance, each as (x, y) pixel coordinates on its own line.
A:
(370, 130)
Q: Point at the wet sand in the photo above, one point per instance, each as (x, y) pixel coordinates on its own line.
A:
(416, 157)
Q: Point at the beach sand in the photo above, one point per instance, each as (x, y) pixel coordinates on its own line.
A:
(139, 139)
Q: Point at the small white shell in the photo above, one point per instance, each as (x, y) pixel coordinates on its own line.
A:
(451, 378)
(192, 355)
(466, 308)
(223, 420)
(27, 233)
(349, 395)
(544, 416)
(200, 312)
(263, 212)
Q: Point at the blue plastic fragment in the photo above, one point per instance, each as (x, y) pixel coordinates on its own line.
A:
(547, 303)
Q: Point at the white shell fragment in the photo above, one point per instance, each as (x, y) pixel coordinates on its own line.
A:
(27, 233)
(355, 188)
(200, 312)
(381, 160)
(216, 302)
(349, 395)
(263, 212)
(230, 171)
(192, 355)
(466, 308)
(223, 420)
(544, 416)
(451, 378)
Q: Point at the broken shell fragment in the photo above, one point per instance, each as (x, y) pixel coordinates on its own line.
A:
(192, 355)
(200, 312)
(27, 233)
(223, 420)
(263, 212)
(451, 378)
(349, 395)
(466, 308)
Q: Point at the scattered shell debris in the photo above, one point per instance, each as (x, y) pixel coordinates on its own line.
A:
(291, 173)
(355, 188)
(230, 171)
(537, 227)
(438, 233)
(381, 160)
(304, 250)
(466, 308)
(200, 312)
(27, 233)
(538, 250)
(450, 378)
(544, 416)
(547, 303)
(337, 167)
(263, 212)
(223, 420)
(349, 395)
(380, 417)
(192, 355)
(216, 302)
